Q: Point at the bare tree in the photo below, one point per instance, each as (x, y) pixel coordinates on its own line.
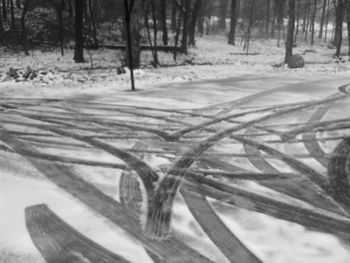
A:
(24, 30)
(250, 24)
(150, 3)
(267, 18)
(222, 16)
(2, 30)
(327, 20)
(163, 12)
(313, 17)
(324, 7)
(79, 37)
(192, 25)
(233, 22)
(297, 20)
(291, 27)
(13, 22)
(338, 31)
(4, 10)
(186, 14)
(348, 24)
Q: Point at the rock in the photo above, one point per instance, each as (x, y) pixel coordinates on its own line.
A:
(295, 61)
(6, 78)
(27, 73)
(33, 75)
(120, 70)
(13, 73)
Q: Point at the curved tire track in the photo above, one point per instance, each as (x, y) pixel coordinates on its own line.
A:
(58, 242)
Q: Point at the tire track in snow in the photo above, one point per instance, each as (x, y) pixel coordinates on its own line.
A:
(159, 215)
(171, 250)
(58, 242)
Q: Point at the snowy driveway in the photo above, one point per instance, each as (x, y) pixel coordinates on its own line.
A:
(187, 173)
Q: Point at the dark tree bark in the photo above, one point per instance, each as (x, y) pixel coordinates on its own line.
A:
(280, 14)
(313, 17)
(290, 32)
(273, 24)
(18, 4)
(250, 24)
(192, 26)
(187, 12)
(155, 31)
(60, 9)
(308, 6)
(208, 14)
(2, 30)
(223, 12)
(233, 22)
(70, 10)
(136, 15)
(4, 10)
(348, 24)
(177, 33)
(327, 20)
(173, 15)
(338, 32)
(13, 22)
(93, 22)
(23, 26)
(163, 12)
(297, 21)
(200, 20)
(267, 20)
(79, 37)
(324, 7)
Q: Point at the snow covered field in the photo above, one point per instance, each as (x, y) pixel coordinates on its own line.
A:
(79, 142)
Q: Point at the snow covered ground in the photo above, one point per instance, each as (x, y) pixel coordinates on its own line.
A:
(233, 84)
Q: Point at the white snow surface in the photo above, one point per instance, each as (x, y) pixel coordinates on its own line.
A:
(177, 87)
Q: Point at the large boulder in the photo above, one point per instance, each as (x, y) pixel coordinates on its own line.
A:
(295, 61)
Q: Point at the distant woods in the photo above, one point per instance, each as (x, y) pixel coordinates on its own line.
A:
(170, 25)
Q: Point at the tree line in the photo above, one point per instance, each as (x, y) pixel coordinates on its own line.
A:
(169, 25)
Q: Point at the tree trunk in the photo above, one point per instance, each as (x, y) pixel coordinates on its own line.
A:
(185, 26)
(313, 22)
(280, 14)
(24, 30)
(79, 37)
(274, 18)
(250, 24)
(70, 10)
(233, 22)
(222, 18)
(155, 55)
(93, 22)
(192, 26)
(2, 30)
(324, 7)
(348, 24)
(60, 8)
(13, 22)
(177, 33)
(163, 11)
(327, 20)
(338, 32)
(173, 15)
(201, 18)
(4, 10)
(136, 16)
(298, 21)
(308, 3)
(290, 32)
(267, 21)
